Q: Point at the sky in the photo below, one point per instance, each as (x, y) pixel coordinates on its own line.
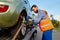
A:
(51, 6)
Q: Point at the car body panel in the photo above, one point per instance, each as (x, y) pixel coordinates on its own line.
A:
(8, 18)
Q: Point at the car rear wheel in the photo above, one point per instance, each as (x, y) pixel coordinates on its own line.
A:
(23, 33)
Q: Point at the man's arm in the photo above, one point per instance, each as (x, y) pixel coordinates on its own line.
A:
(41, 16)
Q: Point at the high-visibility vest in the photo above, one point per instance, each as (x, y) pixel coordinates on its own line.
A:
(45, 23)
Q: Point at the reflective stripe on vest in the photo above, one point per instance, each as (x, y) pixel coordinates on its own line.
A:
(46, 25)
(45, 19)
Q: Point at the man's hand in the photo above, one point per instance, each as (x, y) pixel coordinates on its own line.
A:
(30, 19)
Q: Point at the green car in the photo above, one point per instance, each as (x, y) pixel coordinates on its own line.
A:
(10, 11)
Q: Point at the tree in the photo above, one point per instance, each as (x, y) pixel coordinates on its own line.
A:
(52, 17)
(56, 23)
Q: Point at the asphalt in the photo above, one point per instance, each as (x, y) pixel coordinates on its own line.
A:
(56, 35)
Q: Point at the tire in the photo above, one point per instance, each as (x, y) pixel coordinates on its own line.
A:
(23, 14)
(20, 36)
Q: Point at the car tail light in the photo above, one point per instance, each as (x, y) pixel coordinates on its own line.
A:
(3, 8)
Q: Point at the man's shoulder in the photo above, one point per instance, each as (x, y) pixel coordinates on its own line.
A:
(44, 11)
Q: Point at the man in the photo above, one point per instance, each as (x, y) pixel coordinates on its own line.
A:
(44, 22)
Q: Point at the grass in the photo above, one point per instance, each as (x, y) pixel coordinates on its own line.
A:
(57, 28)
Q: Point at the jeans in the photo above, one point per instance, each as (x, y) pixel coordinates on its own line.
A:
(47, 35)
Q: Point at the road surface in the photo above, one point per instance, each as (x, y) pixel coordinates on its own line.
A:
(56, 35)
